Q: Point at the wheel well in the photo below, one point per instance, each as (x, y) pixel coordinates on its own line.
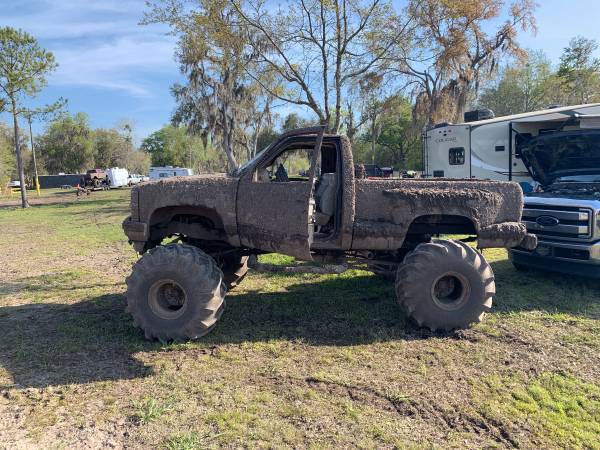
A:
(442, 224)
(191, 221)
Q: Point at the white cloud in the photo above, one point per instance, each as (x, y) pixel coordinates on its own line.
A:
(64, 19)
(99, 43)
(122, 65)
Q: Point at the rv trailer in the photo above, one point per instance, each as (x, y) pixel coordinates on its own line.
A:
(158, 173)
(489, 148)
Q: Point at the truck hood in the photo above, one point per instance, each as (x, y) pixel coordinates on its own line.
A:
(552, 156)
(556, 200)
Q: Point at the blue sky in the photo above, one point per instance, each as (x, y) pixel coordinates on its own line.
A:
(113, 69)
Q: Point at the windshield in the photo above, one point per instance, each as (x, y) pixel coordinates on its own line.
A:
(565, 155)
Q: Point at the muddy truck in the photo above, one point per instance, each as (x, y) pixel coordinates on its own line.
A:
(300, 197)
(95, 178)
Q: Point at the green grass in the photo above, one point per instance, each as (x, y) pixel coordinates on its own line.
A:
(300, 361)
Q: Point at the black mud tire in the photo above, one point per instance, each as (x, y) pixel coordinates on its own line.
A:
(175, 293)
(96, 183)
(234, 268)
(384, 271)
(445, 285)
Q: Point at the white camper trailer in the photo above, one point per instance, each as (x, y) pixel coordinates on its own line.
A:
(489, 149)
(117, 177)
(158, 173)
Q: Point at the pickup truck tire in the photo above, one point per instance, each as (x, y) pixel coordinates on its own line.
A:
(445, 285)
(175, 292)
(234, 270)
(384, 271)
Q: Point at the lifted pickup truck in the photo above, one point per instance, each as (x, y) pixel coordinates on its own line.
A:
(176, 291)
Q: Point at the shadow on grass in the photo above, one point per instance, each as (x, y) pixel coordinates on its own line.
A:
(56, 344)
(335, 311)
(95, 340)
(545, 291)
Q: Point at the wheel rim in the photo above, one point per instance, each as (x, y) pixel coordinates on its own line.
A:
(167, 299)
(450, 291)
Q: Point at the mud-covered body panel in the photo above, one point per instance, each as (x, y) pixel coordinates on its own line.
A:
(273, 217)
(385, 209)
(214, 195)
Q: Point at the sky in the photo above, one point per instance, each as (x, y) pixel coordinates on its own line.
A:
(114, 69)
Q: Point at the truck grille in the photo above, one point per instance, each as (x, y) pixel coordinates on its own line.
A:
(559, 221)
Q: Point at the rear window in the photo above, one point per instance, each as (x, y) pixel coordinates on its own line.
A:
(456, 156)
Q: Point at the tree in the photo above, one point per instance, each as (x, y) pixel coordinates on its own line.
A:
(452, 53)
(219, 101)
(293, 121)
(7, 156)
(111, 148)
(580, 70)
(522, 87)
(315, 50)
(67, 144)
(174, 146)
(23, 69)
(398, 140)
(395, 142)
(138, 162)
(42, 113)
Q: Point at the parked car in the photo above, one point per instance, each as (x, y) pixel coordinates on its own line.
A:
(136, 178)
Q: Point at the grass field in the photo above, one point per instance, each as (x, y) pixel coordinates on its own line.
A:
(302, 361)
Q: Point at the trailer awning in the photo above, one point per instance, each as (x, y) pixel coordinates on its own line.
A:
(586, 120)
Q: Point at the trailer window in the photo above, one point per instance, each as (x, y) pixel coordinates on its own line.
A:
(456, 156)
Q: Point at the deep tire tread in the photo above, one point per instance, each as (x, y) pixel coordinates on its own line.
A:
(234, 271)
(186, 259)
(412, 275)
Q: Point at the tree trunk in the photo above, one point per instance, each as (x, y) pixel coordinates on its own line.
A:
(228, 141)
(373, 139)
(24, 202)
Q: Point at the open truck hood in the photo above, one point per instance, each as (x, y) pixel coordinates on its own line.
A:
(552, 156)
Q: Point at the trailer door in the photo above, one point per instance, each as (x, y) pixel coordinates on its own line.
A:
(448, 152)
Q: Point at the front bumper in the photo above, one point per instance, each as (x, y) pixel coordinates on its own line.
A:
(506, 235)
(572, 258)
(135, 231)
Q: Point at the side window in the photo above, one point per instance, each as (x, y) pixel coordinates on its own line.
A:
(456, 156)
(291, 165)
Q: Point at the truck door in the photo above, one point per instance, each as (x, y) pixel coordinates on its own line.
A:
(275, 200)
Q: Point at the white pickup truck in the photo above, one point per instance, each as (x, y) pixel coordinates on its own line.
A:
(136, 178)
(565, 214)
